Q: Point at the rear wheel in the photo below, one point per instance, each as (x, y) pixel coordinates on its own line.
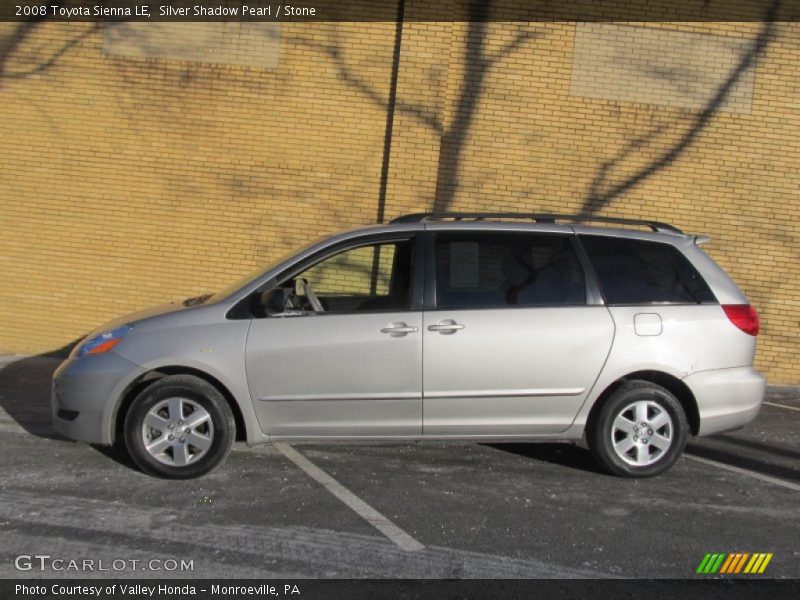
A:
(179, 427)
(640, 431)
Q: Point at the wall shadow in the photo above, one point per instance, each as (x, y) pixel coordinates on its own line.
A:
(759, 446)
(25, 390)
(734, 458)
(25, 386)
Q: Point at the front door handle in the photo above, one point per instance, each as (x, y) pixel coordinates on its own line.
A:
(446, 327)
(399, 329)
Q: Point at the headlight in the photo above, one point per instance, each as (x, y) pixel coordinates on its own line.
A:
(105, 341)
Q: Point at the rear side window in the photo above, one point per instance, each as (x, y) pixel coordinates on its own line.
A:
(499, 270)
(642, 272)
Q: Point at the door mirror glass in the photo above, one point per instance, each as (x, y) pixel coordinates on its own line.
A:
(280, 302)
(273, 301)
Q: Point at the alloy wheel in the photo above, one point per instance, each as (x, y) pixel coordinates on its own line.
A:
(642, 433)
(177, 431)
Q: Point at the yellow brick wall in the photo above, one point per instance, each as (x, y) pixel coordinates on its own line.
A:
(126, 182)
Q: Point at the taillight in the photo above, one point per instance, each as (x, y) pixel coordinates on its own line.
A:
(743, 316)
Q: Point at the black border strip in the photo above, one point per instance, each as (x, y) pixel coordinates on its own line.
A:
(414, 10)
(733, 588)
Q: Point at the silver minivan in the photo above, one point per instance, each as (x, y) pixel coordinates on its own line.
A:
(449, 326)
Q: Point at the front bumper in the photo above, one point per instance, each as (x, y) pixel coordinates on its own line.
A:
(727, 398)
(85, 395)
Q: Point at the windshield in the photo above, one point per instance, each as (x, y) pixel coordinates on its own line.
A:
(257, 274)
(237, 285)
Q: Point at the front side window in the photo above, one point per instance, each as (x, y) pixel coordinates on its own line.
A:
(643, 272)
(509, 269)
(376, 277)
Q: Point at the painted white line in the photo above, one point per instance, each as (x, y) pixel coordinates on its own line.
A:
(264, 549)
(6, 427)
(753, 474)
(797, 408)
(361, 508)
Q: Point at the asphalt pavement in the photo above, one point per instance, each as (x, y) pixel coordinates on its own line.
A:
(431, 510)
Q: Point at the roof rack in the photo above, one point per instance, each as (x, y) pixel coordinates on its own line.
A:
(537, 217)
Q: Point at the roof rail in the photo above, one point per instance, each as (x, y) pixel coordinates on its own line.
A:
(537, 217)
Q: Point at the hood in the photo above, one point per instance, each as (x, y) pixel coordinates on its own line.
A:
(148, 313)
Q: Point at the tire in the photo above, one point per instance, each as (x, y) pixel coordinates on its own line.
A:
(623, 446)
(180, 427)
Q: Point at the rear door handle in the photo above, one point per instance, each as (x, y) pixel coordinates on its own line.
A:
(446, 327)
(399, 329)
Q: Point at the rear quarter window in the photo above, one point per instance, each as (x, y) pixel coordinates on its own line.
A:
(643, 272)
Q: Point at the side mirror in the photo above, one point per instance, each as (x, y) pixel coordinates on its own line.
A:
(273, 301)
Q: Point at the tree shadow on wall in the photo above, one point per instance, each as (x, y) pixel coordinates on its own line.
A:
(479, 62)
(43, 61)
(609, 184)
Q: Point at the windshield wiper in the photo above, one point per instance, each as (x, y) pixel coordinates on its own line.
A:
(197, 300)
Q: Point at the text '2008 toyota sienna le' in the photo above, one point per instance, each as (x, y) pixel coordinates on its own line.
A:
(433, 327)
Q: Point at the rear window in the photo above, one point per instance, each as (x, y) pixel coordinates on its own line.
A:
(491, 270)
(642, 272)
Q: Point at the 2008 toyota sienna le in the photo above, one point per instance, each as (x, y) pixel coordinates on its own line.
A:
(436, 326)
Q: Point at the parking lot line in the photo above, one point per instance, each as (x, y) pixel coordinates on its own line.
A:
(748, 473)
(782, 406)
(361, 508)
(8, 427)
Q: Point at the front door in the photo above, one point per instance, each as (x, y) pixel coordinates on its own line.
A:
(511, 346)
(352, 367)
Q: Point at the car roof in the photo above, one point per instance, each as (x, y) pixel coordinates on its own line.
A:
(533, 217)
(669, 234)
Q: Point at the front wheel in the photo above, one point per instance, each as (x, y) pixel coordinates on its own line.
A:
(640, 431)
(179, 427)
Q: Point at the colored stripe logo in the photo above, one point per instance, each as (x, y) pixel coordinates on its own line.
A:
(734, 563)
